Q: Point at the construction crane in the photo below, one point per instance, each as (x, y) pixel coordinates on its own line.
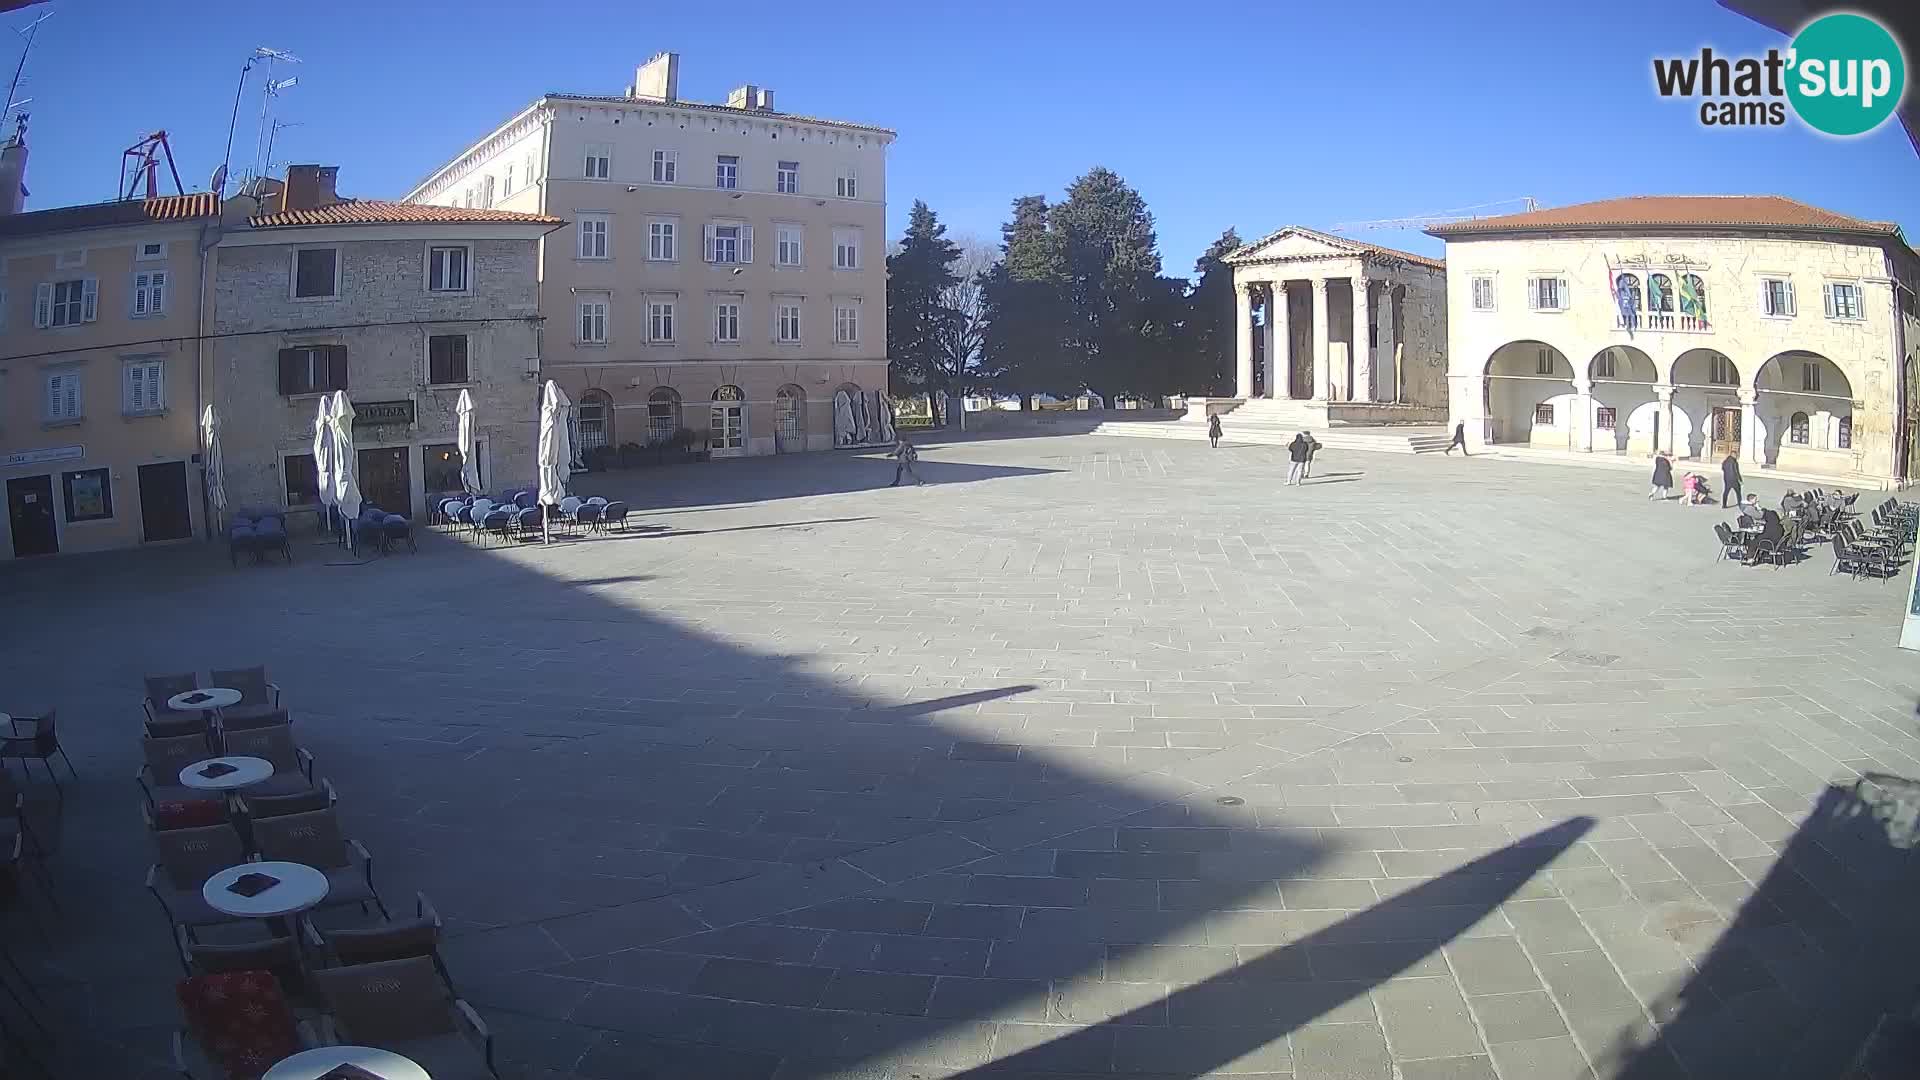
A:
(142, 159)
(1465, 213)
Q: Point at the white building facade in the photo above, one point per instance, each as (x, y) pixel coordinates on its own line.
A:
(1696, 325)
(725, 267)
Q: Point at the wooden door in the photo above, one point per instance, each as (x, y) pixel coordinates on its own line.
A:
(30, 516)
(1726, 432)
(164, 505)
(385, 480)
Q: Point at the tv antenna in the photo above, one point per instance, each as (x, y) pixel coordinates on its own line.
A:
(264, 132)
(258, 55)
(266, 168)
(28, 31)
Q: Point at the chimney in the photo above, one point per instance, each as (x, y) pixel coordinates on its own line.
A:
(309, 187)
(13, 171)
(751, 98)
(658, 78)
(765, 104)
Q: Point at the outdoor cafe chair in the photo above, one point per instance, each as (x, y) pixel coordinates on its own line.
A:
(614, 514)
(404, 1006)
(526, 500)
(570, 504)
(313, 838)
(391, 940)
(1731, 545)
(527, 521)
(499, 523)
(161, 687)
(1856, 561)
(598, 500)
(278, 956)
(396, 529)
(159, 772)
(238, 1023)
(588, 516)
(39, 740)
(187, 858)
(273, 743)
(259, 697)
(319, 797)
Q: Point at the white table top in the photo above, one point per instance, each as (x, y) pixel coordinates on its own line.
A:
(308, 1064)
(300, 887)
(217, 697)
(246, 770)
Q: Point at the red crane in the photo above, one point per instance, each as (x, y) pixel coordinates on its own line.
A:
(143, 158)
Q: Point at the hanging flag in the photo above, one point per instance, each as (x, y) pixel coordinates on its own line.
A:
(1623, 297)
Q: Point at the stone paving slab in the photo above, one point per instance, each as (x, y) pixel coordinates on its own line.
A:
(1089, 758)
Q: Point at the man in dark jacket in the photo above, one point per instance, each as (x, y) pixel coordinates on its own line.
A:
(1459, 439)
(1299, 450)
(1730, 479)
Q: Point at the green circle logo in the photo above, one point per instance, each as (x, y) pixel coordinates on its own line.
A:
(1846, 74)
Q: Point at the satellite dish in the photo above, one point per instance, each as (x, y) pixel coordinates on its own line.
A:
(218, 184)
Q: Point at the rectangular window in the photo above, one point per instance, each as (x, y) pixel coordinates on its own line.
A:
(591, 421)
(726, 321)
(65, 303)
(846, 322)
(156, 249)
(1776, 297)
(594, 232)
(149, 293)
(1482, 293)
(530, 168)
(1720, 372)
(786, 327)
(313, 369)
(660, 321)
(447, 359)
(1843, 300)
(786, 247)
(1799, 429)
(1810, 378)
(1547, 293)
(486, 193)
(729, 243)
(1843, 437)
(1543, 414)
(89, 495)
(593, 321)
(506, 182)
(1604, 417)
(661, 246)
(316, 273)
(302, 480)
(440, 467)
(1543, 362)
(666, 166)
(726, 172)
(599, 165)
(63, 396)
(786, 178)
(145, 387)
(846, 249)
(447, 269)
(1603, 365)
(846, 184)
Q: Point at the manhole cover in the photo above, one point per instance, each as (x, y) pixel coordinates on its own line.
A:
(1230, 800)
(1406, 757)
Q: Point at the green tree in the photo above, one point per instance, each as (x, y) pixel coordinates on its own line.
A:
(1111, 285)
(1025, 307)
(1205, 362)
(918, 275)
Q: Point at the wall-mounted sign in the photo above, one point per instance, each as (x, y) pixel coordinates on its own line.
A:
(51, 453)
(382, 412)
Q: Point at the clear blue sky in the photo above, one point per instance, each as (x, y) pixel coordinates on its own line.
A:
(1221, 113)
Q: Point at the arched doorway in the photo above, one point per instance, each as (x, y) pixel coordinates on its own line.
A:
(594, 419)
(849, 415)
(789, 420)
(1706, 404)
(727, 423)
(663, 415)
(1528, 394)
(1803, 410)
(1626, 412)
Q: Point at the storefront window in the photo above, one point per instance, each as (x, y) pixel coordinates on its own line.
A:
(303, 488)
(89, 495)
(441, 467)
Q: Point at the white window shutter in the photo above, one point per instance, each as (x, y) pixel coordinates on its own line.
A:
(139, 294)
(1764, 308)
(53, 395)
(746, 243)
(707, 231)
(1565, 292)
(43, 304)
(1793, 306)
(1826, 297)
(89, 299)
(133, 387)
(1533, 292)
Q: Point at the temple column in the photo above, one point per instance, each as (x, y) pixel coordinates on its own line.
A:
(1388, 381)
(1243, 342)
(1280, 354)
(1322, 367)
(1361, 389)
(1750, 441)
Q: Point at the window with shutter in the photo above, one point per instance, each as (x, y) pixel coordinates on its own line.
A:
(446, 359)
(746, 243)
(149, 293)
(65, 303)
(145, 387)
(43, 304)
(63, 396)
(312, 369)
(447, 268)
(316, 273)
(594, 237)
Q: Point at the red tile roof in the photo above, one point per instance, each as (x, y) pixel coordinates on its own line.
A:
(1735, 212)
(381, 212)
(200, 204)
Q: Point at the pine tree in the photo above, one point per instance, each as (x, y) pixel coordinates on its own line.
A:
(1025, 311)
(1206, 350)
(917, 275)
(1111, 279)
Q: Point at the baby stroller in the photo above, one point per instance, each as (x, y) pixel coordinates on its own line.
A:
(1696, 489)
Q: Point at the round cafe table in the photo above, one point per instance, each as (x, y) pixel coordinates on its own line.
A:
(207, 697)
(311, 1064)
(246, 770)
(299, 888)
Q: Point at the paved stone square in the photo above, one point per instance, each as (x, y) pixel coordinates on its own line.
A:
(1094, 756)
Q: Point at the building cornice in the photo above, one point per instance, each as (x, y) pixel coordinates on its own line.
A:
(518, 127)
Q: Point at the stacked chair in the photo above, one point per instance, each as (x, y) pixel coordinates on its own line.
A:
(252, 996)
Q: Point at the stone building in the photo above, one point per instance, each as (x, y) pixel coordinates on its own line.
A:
(402, 306)
(1694, 324)
(100, 317)
(1310, 291)
(726, 266)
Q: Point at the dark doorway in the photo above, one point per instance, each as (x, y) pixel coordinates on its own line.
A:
(30, 515)
(1300, 348)
(385, 480)
(164, 513)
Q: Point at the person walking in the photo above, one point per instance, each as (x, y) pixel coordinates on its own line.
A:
(1213, 430)
(1730, 480)
(1298, 451)
(1662, 477)
(1459, 440)
(1313, 447)
(904, 455)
